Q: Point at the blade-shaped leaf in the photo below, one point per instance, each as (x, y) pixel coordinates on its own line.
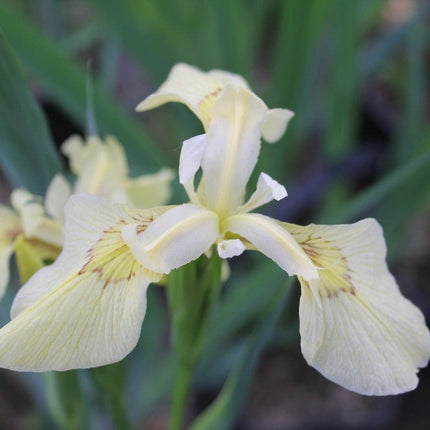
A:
(28, 156)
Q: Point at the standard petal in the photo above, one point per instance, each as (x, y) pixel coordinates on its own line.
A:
(150, 190)
(267, 190)
(101, 167)
(275, 124)
(177, 237)
(58, 192)
(189, 163)
(356, 327)
(232, 148)
(272, 240)
(196, 89)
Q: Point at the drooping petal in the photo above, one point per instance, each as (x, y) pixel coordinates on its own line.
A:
(87, 308)
(274, 241)
(189, 163)
(58, 192)
(196, 89)
(267, 190)
(232, 148)
(91, 225)
(275, 124)
(356, 327)
(177, 237)
(150, 190)
(35, 223)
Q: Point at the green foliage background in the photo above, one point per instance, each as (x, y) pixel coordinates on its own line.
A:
(329, 61)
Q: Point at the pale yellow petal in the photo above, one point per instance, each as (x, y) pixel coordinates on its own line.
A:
(272, 240)
(175, 238)
(275, 124)
(92, 224)
(196, 89)
(58, 192)
(87, 308)
(35, 223)
(356, 327)
(150, 190)
(10, 228)
(232, 148)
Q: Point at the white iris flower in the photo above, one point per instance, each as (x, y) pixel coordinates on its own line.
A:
(87, 308)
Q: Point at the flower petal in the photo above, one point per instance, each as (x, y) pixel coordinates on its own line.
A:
(356, 327)
(92, 224)
(87, 308)
(267, 190)
(150, 190)
(274, 241)
(101, 167)
(177, 237)
(232, 148)
(275, 124)
(35, 224)
(58, 192)
(196, 89)
(190, 161)
(87, 320)
(230, 248)
(5, 253)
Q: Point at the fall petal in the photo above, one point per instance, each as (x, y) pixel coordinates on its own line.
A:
(356, 327)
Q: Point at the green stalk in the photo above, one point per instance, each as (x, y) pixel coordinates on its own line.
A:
(180, 394)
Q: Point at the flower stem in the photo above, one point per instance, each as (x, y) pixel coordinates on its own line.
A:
(179, 395)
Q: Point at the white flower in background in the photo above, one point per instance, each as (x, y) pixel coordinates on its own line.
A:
(35, 230)
(87, 308)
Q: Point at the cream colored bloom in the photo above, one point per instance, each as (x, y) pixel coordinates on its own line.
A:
(35, 229)
(86, 309)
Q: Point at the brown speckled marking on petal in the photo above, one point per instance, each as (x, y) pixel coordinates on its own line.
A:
(110, 258)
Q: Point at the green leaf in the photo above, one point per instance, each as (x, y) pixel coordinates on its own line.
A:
(65, 82)
(28, 156)
(65, 401)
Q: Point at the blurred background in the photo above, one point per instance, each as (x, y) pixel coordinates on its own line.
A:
(356, 75)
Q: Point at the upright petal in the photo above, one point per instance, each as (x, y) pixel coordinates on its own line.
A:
(101, 167)
(232, 148)
(177, 237)
(87, 308)
(356, 327)
(151, 190)
(58, 192)
(196, 89)
(272, 240)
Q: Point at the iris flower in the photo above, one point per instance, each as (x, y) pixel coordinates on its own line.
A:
(87, 308)
(33, 229)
